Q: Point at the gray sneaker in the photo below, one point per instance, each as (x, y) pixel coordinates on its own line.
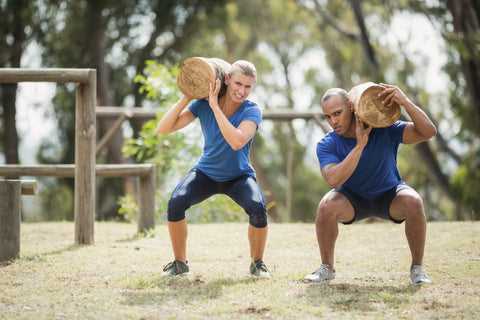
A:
(418, 276)
(175, 268)
(259, 269)
(322, 275)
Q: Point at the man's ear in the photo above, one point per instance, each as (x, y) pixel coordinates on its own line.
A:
(350, 105)
(227, 78)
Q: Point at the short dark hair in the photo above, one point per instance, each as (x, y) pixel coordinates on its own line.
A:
(334, 92)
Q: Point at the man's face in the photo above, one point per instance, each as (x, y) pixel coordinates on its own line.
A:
(239, 86)
(338, 113)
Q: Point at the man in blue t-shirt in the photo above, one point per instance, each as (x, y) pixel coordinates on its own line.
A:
(360, 164)
(229, 123)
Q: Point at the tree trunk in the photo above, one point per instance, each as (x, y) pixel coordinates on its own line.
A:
(10, 135)
(365, 40)
(266, 187)
(9, 91)
(290, 172)
(433, 167)
(97, 25)
(466, 25)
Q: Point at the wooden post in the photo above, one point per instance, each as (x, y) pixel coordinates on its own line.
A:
(29, 187)
(85, 135)
(146, 215)
(10, 191)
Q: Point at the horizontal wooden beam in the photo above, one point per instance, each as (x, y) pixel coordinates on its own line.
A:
(141, 113)
(14, 75)
(68, 170)
(27, 187)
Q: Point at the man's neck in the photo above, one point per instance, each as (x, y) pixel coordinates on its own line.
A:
(227, 105)
(350, 133)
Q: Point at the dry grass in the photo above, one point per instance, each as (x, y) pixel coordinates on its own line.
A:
(119, 277)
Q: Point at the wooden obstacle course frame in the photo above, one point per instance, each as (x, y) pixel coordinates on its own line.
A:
(85, 169)
(85, 135)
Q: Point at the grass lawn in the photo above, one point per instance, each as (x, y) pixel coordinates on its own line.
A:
(119, 277)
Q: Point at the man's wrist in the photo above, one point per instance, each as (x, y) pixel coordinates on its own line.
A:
(408, 104)
(215, 107)
(186, 99)
(359, 147)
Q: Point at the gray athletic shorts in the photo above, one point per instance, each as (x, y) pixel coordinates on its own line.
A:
(376, 207)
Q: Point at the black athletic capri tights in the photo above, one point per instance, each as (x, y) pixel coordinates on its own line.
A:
(196, 187)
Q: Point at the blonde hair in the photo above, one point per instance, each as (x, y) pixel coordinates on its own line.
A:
(244, 67)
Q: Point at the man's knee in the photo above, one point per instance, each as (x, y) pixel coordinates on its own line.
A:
(413, 205)
(257, 215)
(176, 208)
(327, 209)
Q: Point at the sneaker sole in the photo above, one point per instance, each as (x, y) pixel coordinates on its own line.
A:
(421, 283)
(185, 274)
(316, 282)
(260, 277)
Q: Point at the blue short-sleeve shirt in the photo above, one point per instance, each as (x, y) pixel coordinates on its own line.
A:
(219, 161)
(376, 171)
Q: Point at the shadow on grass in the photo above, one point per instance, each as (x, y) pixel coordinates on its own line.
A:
(39, 256)
(6, 263)
(138, 236)
(348, 297)
(132, 238)
(158, 290)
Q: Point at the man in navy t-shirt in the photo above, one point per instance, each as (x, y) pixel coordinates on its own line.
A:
(229, 124)
(360, 164)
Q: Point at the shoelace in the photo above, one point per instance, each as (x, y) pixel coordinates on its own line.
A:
(418, 271)
(323, 268)
(261, 265)
(170, 265)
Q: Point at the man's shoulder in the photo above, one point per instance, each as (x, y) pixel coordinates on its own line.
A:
(251, 109)
(330, 137)
(249, 104)
(198, 103)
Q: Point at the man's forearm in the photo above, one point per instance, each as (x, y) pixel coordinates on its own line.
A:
(336, 175)
(421, 121)
(166, 124)
(232, 135)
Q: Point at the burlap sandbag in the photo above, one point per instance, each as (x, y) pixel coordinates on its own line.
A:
(370, 108)
(197, 73)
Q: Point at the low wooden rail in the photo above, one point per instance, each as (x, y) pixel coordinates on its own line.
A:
(146, 173)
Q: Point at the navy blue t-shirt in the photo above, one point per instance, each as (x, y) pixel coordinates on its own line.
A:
(376, 171)
(219, 161)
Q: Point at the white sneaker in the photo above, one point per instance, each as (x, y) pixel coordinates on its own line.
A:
(418, 276)
(322, 274)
